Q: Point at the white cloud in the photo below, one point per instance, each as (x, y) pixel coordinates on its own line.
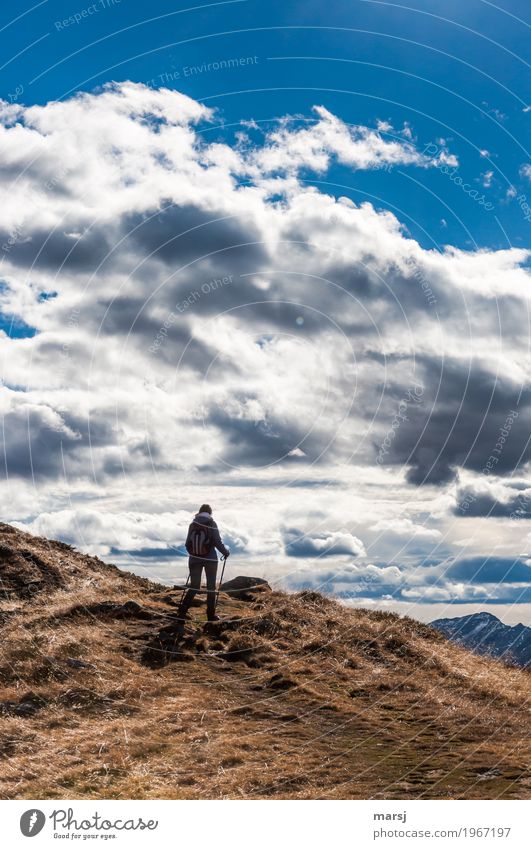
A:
(202, 316)
(313, 543)
(407, 529)
(100, 532)
(289, 148)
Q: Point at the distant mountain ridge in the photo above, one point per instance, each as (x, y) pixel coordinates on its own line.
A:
(484, 633)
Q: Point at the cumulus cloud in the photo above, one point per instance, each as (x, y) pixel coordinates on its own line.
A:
(496, 499)
(406, 528)
(464, 411)
(352, 581)
(315, 544)
(105, 533)
(197, 312)
(289, 149)
(480, 580)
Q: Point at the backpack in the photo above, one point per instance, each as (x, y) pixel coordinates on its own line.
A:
(199, 540)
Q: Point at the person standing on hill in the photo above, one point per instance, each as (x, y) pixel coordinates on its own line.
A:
(202, 544)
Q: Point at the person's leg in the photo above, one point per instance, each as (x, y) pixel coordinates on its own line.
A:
(211, 571)
(195, 585)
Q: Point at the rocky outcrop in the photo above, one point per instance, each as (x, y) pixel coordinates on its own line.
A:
(244, 587)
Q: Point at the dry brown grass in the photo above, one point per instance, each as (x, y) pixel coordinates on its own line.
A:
(293, 697)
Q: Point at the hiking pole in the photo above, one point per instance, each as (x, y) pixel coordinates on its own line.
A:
(221, 579)
(185, 588)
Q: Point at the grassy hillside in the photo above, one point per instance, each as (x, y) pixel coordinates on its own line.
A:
(293, 696)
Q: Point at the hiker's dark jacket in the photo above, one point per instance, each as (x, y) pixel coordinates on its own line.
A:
(212, 557)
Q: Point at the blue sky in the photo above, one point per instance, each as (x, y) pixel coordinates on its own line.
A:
(273, 256)
(451, 69)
